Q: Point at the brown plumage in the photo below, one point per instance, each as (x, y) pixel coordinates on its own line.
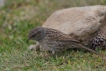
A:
(54, 40)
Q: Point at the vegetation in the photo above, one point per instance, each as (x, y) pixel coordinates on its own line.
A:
(17, 17)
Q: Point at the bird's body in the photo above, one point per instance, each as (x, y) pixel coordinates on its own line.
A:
(54, 40)
(54, 45)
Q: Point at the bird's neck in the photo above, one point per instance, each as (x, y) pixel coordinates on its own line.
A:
(42, 35)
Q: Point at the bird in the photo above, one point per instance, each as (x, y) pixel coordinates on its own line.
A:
(55, 41)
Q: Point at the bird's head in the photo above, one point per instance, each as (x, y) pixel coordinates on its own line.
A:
(37, 34)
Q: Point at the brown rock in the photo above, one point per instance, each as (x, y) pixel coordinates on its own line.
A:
(81, 23)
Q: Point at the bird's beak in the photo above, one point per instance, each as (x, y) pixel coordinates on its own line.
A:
(27, 39)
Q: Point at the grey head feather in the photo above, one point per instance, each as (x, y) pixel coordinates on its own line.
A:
(36, 31)
(43, 33)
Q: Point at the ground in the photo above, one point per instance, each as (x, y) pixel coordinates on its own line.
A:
(18, 17)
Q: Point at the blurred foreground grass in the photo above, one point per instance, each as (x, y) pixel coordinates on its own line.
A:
(18, 17)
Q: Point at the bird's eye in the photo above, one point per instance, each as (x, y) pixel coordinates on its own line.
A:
(37, 35)
(32, 36)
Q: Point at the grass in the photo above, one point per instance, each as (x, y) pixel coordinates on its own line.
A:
(18, 17)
